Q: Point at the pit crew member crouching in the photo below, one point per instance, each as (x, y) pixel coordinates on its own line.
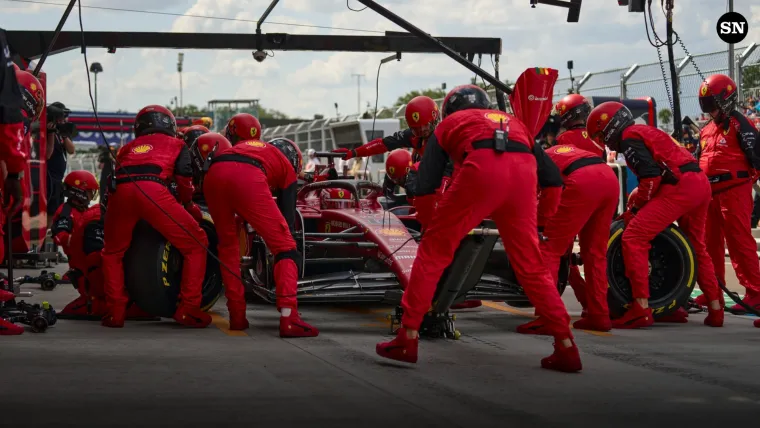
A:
(587, 205)
(140, 191)
(486, 146)
(398, 164)
(239, 182)
(671, 188)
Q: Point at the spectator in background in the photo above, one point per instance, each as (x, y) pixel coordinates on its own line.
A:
(312, 163)
(59, 146)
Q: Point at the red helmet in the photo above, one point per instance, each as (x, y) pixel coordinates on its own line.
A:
(336, 199)
(155, 119)
(204, 121)
(191, 133)
(573, 107)
(397, 165)
(422, 115)
(32, 94)
(291, 152)
(606, 123)
(718, 92)
(205, 144)
(242, 127)
(465, 97)
(80, 187)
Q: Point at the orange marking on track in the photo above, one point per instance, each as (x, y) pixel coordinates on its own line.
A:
(224, 325)
(504, 308)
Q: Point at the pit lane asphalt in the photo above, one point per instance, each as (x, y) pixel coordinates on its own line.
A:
(158, 374)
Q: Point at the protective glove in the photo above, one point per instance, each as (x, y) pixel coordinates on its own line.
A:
(194, 211)
(13, 192)
(347, 154)
(627, 216)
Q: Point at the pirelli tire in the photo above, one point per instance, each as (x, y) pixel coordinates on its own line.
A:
(153, 271)
(672, 272)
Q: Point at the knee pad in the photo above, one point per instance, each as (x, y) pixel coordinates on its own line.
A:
(294, 255)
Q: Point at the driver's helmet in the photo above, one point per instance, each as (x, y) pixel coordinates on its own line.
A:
(334, 198)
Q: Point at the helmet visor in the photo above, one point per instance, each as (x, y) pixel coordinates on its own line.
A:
(708, 104)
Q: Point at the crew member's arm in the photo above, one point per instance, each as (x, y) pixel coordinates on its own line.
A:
(183, 177)
(92, 244)
(640, 160)
(748, 137)
(11, 119)
(63, 225)
(428, 177)
(286, 201)
(550, 182)
(400, 139)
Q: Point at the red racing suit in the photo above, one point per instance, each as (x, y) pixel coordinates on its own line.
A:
(727, 155)
(66, 218)
(239, 181)
(577, 136)
(12, 127)
(587, 206)
(144, 168)
(399, 140)
(486, 183)
(671, 188)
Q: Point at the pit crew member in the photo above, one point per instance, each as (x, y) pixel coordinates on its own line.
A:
(21, 101)
(397, 165)
(140, 192)
(587, 205)
(671, 188)
(191, 133)
(239, 182)
(242, 127)
(728, 154)
(421, 115)
(486, 146)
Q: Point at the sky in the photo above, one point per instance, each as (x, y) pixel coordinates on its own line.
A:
(302, 84)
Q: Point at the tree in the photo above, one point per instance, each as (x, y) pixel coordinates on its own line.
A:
(665, 116)
(432, 93)
(751, 76)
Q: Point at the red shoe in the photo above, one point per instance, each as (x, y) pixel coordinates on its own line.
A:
(114, 318)
(400, 349)
(293, 326)
(757, 323)
(594, 323)
(77, 307)
(7, 328)
(701, 300)
(714, 317)
(566, 360)
(635, 317)
(679, 316)
(537, 326)
(751, 299)
(133, 313)
(192, 317)
(238, 321)
(6, 296)
(468, 304)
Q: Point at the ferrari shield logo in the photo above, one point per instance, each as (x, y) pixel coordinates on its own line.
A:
(142, 149)
(703, 90)
(416, 116)
(327, 227)
(253, 132)
(391, 170)
(77, 182)
(341, 194)
(204, 148)
(604, 116)
(584, 134)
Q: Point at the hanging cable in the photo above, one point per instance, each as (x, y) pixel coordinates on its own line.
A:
(353, 10)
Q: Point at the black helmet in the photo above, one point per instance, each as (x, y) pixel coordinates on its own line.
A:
(155, 119)
(291, 152)
(465, 97)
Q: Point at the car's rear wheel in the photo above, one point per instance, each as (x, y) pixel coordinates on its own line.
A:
(672, 271)
(153, 271)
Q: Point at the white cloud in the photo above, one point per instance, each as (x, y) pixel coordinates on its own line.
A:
(304, 83)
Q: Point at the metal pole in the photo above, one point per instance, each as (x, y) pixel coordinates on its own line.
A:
(58, 29)
(731, 58)
(180, 92)
(358, 93)
(96, 92)
(406, 25)
(673, 73)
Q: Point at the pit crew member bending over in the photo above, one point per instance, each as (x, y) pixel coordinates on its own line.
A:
(671, 188)
(238, 181)
(486, 146)
(587, 205)
(141, 192)
(728, 155)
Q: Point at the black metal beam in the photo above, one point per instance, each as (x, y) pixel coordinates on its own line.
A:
(57, 31)
(439, 44)
(32, 44)
(259, 35)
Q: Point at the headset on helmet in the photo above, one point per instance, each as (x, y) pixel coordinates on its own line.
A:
(32, 94)
(291, 152)
(465, 97)
(242, 127)
(155, 119)
(80, 188)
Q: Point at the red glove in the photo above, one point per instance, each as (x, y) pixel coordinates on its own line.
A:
(347, 154)
(194, 211)
(626, 217)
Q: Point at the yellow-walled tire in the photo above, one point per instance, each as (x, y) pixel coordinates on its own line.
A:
(673, 271)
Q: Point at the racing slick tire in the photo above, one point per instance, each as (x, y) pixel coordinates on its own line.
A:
(672, 272)
(153, 271)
